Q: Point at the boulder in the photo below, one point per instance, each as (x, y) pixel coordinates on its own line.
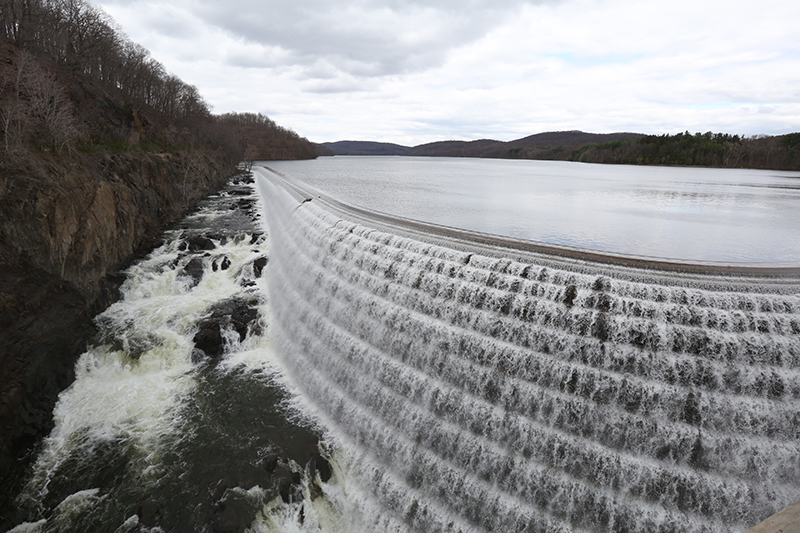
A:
(321, 466)
(208, 338)
(197, 243)
(195, 270)
(221, 263)
(259, 265)
(237, 313)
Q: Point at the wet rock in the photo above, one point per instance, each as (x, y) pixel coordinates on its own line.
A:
(221, 263)
(197, 243)
(242, 315)
(221, 487)
(321, 466)
(208, 338)
(195, 270)
(245, 203)
(139, 344)
(258, 266)
(285, 490)
(45, 324)
(109, 289)
(67, 223)
(236, 313)
(222, 238)
(290, 491)
(288, 483)
(198, 355)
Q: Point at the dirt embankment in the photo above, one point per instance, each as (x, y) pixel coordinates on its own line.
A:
(66, 226)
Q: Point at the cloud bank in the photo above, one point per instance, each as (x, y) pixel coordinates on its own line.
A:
(417, 71)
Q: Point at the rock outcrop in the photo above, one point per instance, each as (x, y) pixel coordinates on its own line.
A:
(66, 226)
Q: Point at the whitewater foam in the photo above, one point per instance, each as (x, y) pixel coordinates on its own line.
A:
(483, 387)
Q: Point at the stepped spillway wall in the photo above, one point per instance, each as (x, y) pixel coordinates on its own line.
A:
(509, 388)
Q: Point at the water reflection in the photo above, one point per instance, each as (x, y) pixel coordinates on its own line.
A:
(703, 214)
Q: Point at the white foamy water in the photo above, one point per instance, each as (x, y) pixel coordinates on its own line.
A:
(478, 389)
(155, 435)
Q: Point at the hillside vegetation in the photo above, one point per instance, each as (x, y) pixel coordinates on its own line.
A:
(551, 145)
(71, 81)
(701, 149)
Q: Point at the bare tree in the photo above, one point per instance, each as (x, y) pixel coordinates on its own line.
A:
(35, 107)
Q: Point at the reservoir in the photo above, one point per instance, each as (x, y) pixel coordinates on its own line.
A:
(696, 214)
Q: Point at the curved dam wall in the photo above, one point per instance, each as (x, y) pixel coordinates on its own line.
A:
(510, 387)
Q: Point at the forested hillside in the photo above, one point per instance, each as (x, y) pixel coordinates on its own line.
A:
(550, 145)
(71, 81)
(701, 149)
(709, 149)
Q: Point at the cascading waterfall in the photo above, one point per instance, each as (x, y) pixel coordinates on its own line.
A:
(481, 388)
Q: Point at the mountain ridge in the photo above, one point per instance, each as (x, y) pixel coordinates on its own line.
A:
(719, 150)
(546, 143)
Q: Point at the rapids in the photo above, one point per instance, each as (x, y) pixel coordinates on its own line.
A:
(156, 434)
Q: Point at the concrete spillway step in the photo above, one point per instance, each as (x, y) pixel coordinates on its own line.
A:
(490, 384)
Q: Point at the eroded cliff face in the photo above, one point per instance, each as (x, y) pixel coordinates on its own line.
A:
(77, 219)
(66, 226)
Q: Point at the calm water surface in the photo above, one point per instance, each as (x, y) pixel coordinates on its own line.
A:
(701, 214)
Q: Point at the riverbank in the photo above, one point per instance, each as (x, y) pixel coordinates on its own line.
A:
(67, 226)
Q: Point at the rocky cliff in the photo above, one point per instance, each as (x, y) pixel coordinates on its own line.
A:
(67, 224)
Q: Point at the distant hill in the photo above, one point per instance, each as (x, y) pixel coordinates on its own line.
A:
(455, 148)
(365, 148)
(551, 145)
(780, 152)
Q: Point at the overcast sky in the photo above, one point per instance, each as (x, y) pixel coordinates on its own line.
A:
(412, 72)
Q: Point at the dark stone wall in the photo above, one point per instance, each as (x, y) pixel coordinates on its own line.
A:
(67, 225)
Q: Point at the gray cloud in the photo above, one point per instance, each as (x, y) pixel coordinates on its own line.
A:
(420, 70)
(367, 38)
(340, 85)
(258, 57)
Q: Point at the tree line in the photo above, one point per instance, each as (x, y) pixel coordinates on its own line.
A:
(699, 149)
(58, 55)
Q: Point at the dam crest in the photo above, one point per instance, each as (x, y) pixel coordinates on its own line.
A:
(484, 384)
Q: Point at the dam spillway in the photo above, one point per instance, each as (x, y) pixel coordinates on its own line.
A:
(507, 387)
